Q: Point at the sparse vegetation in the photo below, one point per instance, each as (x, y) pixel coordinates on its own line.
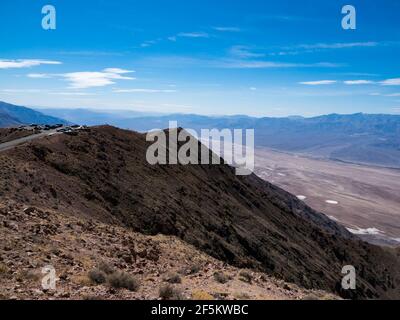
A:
(97, 276)
(201, 295)
(169, 292)
(194, 268)
(221, 277)
(123, 280)
(173, 278)
(28, 275)
(190, 270)
(105, 267)
(82, 280)
(245, 276)
(242, 296)
(3, 271)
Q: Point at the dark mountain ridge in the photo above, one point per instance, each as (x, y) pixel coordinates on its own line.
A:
(12, 115)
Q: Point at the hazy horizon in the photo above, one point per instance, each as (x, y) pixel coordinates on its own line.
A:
(127, 111)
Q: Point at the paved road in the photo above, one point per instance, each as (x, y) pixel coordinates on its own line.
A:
(11, 144)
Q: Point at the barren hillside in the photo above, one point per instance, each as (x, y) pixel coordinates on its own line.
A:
(244, 221)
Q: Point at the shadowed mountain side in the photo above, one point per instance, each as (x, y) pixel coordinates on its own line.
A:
(245, 221)
(11, 115)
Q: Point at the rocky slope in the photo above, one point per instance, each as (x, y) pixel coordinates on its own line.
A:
(79, 249)
(244, 221)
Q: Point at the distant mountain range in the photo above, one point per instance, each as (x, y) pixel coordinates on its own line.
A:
(372, 139)
(11, 115)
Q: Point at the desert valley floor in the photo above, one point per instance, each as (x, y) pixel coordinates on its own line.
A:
(365, 199)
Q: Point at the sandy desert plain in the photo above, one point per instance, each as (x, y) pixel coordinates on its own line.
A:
(365, 199)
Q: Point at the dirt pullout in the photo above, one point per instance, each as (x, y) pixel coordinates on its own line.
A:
(83, 250)
(244, 221)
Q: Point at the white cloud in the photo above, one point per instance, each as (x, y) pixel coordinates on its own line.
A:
(25, 63)
(393, 95)
(148, 43)
(262, 64)
(23, 91)
(227, 29)
(193, 34)
(253, 88)
(318, 83)
(39, 75)
(391, 82)
(82, 80)
(117, 70)
(244, 52)
(356, 82)
(310, 48)
(338, 45)
(139, 90)
(228, 63)
(71, 93)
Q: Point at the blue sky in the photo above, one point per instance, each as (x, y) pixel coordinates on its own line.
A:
(264, 58)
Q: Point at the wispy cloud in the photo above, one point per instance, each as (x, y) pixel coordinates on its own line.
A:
(227, 29)
(91, 53)
(358, 82)
(71, 93)
(25, 63)
(83, 80)
(391, 82)
(148, 43)
(227, 63)
(253, 64)
(262, 64)
(88, 79)
(39, 75)
(198, 35)
(316, 47)
(140, 90)
(338, 45)
(11, 91)
(318, 83)
(193, 35)
(244, 52)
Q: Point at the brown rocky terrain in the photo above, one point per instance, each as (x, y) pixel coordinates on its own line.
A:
(79, 249)
(103, 176)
